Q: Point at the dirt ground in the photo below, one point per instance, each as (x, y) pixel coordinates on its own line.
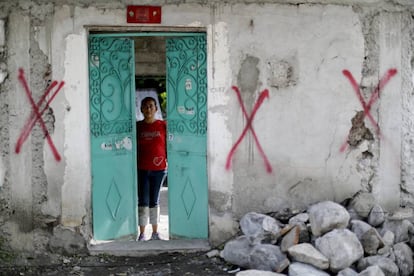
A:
(157, 265)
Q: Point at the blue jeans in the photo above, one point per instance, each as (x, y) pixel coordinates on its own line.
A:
(149, 186)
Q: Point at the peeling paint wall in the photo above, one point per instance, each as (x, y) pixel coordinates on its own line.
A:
(293, 82)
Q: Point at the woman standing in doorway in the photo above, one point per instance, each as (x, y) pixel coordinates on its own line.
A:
(152, 167)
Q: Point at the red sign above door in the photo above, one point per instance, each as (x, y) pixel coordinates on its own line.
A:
(143, 14)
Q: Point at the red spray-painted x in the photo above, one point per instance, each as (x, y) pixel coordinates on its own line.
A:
(263, 95)
(36, 114)
(374, 97)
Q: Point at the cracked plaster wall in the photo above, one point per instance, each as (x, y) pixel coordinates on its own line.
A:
(297, 51)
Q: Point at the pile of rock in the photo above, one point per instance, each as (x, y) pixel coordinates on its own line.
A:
(326, 239)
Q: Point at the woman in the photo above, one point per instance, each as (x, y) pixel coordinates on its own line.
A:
(152, 167)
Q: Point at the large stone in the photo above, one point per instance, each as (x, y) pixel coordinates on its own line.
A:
(347, 272)
(327, 215)
(300, 269)
(362, 203)
(299, 218)
(341, 247)
(373, 270)
(354, 214)
(371, 241)
(237, 251)
(387, 266)
(259, 227)
(308, 254)
(304, 233)
(290, 239)
(402, 229)
(404, 258)
(268, 257)
(359, 227)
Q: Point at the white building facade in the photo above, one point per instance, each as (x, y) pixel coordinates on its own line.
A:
(305, 102)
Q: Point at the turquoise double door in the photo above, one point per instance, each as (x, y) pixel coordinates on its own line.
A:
(113, 136)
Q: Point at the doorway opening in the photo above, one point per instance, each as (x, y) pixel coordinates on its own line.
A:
(150, 78)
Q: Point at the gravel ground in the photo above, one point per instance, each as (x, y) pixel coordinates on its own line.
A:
(157, 265)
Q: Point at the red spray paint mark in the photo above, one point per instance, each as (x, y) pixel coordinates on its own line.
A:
(264, 94)
(374, 97)
(36, 115)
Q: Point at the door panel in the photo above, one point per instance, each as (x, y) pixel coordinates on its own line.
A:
(113, 143)
(186, 143)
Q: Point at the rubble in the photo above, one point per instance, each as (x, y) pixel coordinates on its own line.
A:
(327, 238)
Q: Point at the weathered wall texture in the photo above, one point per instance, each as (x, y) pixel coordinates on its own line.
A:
(299, 70)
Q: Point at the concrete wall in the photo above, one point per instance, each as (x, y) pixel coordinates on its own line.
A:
(295, 151)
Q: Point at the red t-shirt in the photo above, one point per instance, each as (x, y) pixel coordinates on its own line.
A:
(152, 154)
